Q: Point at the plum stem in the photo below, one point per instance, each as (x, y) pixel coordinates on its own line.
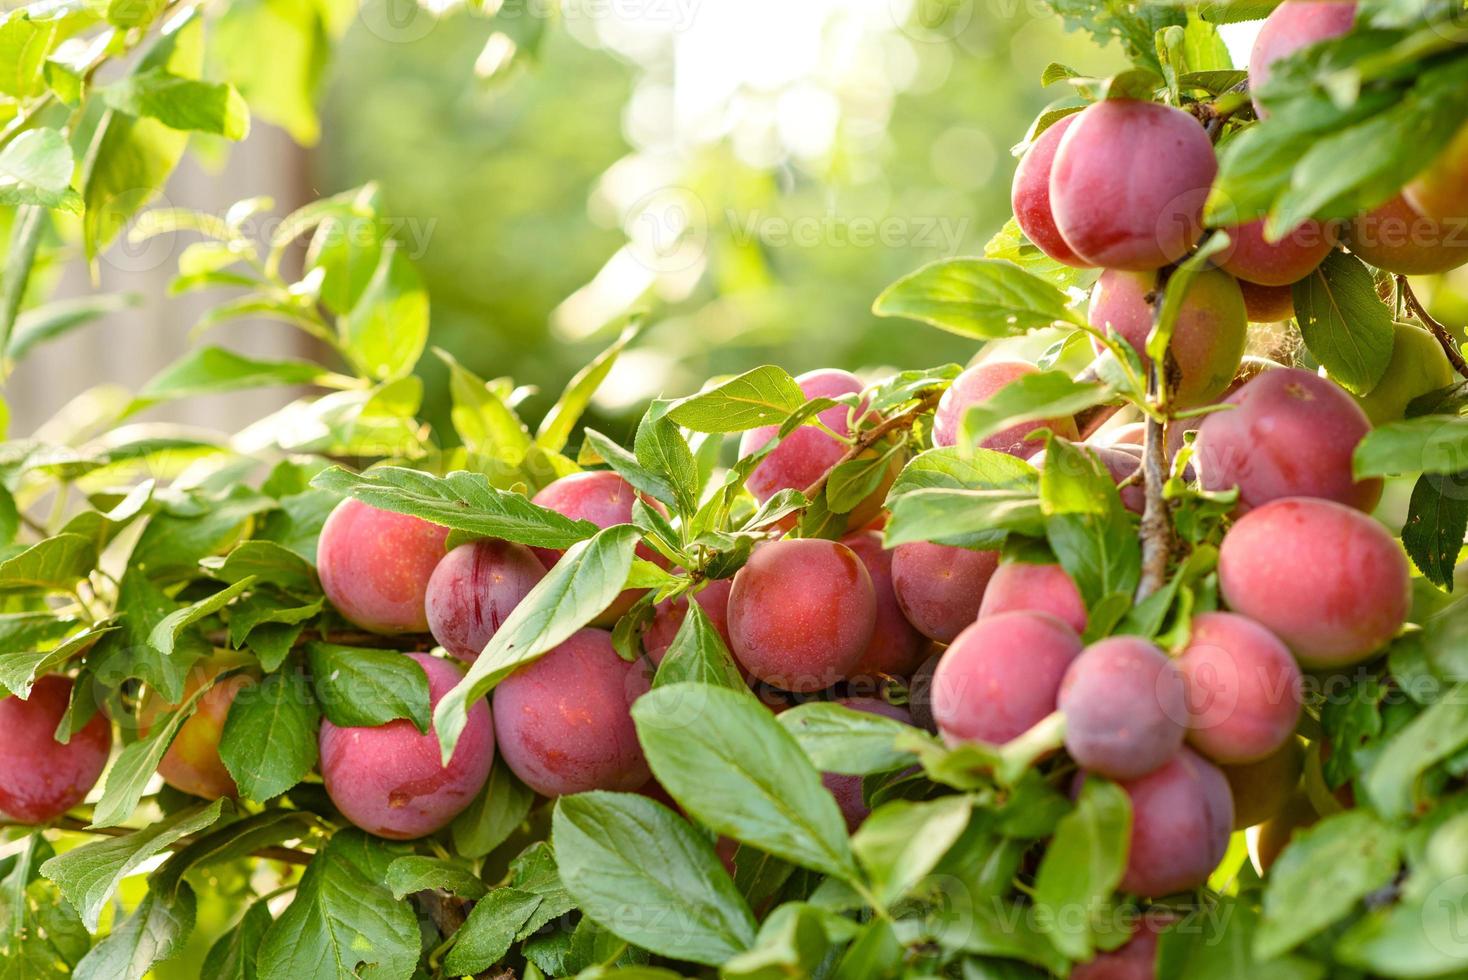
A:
(1443, 335)
(1156, 516)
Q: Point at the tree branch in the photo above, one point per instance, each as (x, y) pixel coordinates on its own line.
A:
(346, 638)
(1157, 539)
(1443, 335)
(872, 436)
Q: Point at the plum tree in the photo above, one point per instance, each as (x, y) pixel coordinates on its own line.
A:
(391, 781)
(1262, 788)
(474, 588)
(605, 499)
(41, 778)
(1396, 237)
(564, 722)
(1018, 585)
(847, 789)
(939, 587)
(1267, 304)
(801, 613)
(1291, 433)
(1182, 815)
(1122, 466)
(1030, 194)
(668, 616)
(896, 647)
(1125, 708)
(1291, 26)
(1324, 578)
(1001, 676)
(1251, 257)
(978, 384)
(1418, 366)
(1440, 191)
(375, 565)
(805, 455)
(192, 763)
(1209, 339)
(1243, 688)
(1155, 159)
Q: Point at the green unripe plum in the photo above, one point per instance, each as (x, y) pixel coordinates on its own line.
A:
(192, 763)
(1262, 788)
(1441, 191)
(1418, 366)
(1396, 237)
(1208, 343)
(1268, 304)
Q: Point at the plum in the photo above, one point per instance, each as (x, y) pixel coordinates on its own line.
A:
(1253, 258)
(801, 613)
(1267, 304)
(1120, 465)
(564, 722)
(847, 789)
(1136, 959)
(1125, 708)
(1290, 434)
(978, 384)
(1030, 195)
(1128, 183)
(939, 587)
(668, 616)
(1418, 366)
(805, 455)
(1269, 839)
(1243, 688)
(1440, 191)
(375, 566)
(40, 778)
(1396, 237)
(1326, 579)
(1182, 815)
(391, 781)
(1263, 787)
(1208, 342)
(474, 588)
(192, 763)
(1291, 26)
(1018, 585)
(896, 647)
(1001, 676)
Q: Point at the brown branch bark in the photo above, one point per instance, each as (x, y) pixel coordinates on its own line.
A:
(1441, 333)
(1157, 538)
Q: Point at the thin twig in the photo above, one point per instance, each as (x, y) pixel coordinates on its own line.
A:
(872, 436)
(1443, 335)
(346, 638)
(72, 825)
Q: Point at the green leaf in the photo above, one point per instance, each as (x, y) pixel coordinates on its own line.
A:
(180, 103)
(156, 930)
(56, 564)
(491, 928)
(501, 806)
(1321, 876)
(135, 765)
(902, 841)
(35, 168)
(1345, 325)
(949, 468)
(362, 688)
(342, 919)
(1219, 945)
(128, 652)
(134, 13)
(481, 416)
(732, 767)
(582, 584)
(460, 501)
(416, 873)
(234, 956)
(55, 319)
(838, 739)
(264, 609)
(20, 256)
(1086, 524)
(229, 842)
(764, 396)
(792, 942)
(1031, 398)
(385, 332)
(1084, 863)
(208, 370)
(622, 855)
(853, 481)
(173, 543)
(282, 88)
(18, 671)
(1431, 737)
(555, 429)
(698, 654)
(1434, 444)
(165, 635)
(662, 450)
(88, 875)
(269, 741)
(269, 562)
(973, 518)
(981, 298)
(1436, 525)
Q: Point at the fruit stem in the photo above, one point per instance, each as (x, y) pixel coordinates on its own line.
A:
(872, 436)
(1443, 335)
